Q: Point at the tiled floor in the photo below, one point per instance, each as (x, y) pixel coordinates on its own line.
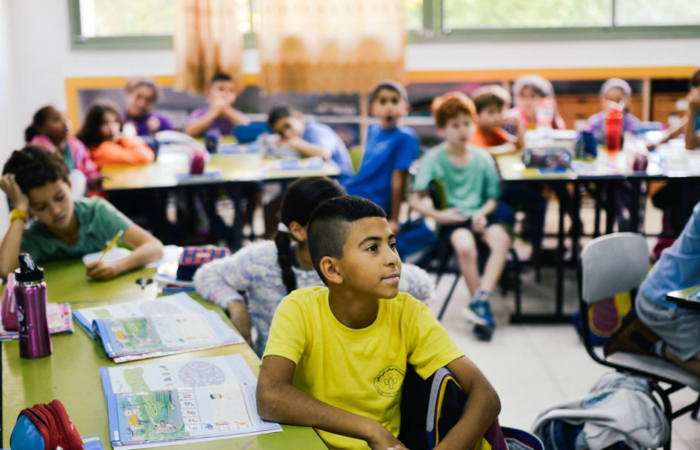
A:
(535, 366)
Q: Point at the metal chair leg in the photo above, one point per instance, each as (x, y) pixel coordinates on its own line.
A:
(448, 298)
(695, 412)
(668, 411)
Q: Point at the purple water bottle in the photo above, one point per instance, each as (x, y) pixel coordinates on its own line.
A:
(30, 292)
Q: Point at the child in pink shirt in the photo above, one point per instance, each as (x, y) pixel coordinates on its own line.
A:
(50, 130)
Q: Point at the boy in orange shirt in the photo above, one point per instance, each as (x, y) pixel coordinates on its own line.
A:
(489, 133)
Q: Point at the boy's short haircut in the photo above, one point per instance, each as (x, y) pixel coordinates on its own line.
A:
(220, 77)
(34, 167)
(390, 85)
(616, 83)
(450, 106)
(278, 113)
(328, 227)
(695, 79)
(490, 95)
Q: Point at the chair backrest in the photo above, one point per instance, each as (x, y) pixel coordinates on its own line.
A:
(356, 157)
(613, 264)
(438, 194)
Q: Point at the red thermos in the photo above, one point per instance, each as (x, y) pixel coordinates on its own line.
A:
(613, 130)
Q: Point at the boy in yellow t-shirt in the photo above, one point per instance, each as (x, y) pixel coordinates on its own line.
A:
(336, 357)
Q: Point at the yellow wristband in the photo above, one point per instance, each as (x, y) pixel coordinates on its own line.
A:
(18, 214)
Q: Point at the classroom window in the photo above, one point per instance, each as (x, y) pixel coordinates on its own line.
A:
(110, 24)
(102, 18)
(655, 13)
(492, 14)
(414, 14)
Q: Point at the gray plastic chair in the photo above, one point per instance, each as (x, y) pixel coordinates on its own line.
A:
(611, 265)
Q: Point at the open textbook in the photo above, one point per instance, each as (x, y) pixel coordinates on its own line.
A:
(182, 402)
(151, 328)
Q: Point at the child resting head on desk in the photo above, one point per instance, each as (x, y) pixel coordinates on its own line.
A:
(310, 138)
(36, 182)
(264, 272)
(220, 115)
(102, 134)
(489, 134)
(337, 356)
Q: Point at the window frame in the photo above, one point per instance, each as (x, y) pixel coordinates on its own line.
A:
(154, 42)
(432, 32)
(435, 32)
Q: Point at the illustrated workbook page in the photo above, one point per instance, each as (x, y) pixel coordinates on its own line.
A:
(178, 402)
(164, 334)
(171, 304)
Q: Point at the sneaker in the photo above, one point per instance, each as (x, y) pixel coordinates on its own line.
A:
(478, 312)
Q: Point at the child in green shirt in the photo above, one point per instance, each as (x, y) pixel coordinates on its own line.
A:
(472, 187)
(37, 182)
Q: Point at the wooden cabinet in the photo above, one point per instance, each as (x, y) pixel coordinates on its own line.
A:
(582, 106)
(666, 104)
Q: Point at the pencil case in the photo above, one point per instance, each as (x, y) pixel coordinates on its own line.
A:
(547, 158)
(193, 258)
(45, 426)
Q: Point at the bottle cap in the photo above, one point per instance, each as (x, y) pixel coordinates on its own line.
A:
(28, 270)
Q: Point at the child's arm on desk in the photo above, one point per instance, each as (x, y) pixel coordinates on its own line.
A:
(481, 409)
(146, 250)
(307, 148)
(278, 400)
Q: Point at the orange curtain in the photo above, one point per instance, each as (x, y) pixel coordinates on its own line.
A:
(330, 46)
(207, 41)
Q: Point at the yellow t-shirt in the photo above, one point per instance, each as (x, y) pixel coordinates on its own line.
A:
(360, 371)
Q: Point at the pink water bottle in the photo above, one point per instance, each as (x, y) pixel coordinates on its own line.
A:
(30, 292)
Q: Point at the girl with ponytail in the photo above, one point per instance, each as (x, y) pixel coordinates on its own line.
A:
(251, 283)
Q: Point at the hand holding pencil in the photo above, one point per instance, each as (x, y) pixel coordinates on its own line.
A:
(106, 270)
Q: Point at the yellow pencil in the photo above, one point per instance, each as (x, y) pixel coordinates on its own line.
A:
(111, 244)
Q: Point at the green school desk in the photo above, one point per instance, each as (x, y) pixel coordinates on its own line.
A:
(72, 375)
(244, 168)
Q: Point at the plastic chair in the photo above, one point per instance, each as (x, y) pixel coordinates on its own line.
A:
(618, 263)
(441, 259)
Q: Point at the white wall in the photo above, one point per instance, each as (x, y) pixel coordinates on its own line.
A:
(44, 59)
(9, 139)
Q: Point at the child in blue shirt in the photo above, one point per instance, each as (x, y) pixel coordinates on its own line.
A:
(678, 328)
(310, 138)
(389, 152)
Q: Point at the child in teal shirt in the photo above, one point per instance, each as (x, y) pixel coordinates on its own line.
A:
(472, 187)
(37, 182)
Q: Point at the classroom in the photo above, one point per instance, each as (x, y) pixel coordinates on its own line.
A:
(350, 224)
